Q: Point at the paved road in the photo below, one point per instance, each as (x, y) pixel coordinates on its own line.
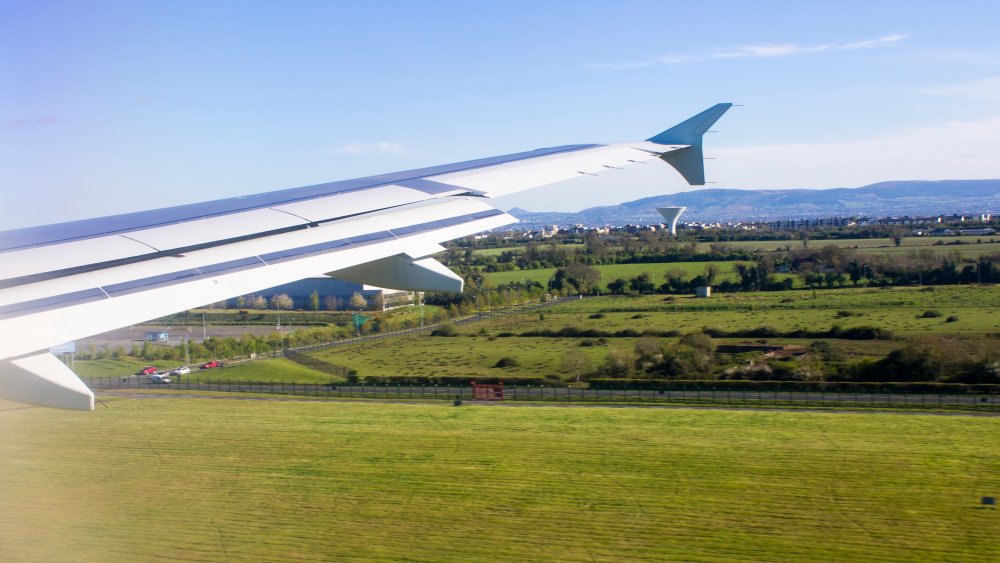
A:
(127, 336)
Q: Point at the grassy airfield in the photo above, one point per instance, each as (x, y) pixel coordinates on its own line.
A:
(249, 480)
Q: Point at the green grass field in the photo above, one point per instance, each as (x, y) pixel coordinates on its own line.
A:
(475, 353)
(275, 369)
(611, 272)
(214, 480)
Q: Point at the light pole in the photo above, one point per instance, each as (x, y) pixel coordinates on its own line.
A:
(281, 340)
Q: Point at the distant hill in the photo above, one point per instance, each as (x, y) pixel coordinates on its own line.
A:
(885, 199)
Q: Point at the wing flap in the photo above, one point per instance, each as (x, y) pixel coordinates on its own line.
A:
(402, 272)
(43, 380)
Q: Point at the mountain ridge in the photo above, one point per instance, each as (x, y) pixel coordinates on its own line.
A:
(882, 199)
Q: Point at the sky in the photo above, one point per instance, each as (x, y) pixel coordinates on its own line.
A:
(110, 107)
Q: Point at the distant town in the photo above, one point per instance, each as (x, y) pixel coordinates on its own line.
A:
(983, 224)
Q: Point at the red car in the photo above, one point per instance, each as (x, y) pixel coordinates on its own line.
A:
(148, 370)
(212, 364)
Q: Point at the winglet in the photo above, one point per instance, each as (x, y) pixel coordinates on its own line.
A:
(689, 161)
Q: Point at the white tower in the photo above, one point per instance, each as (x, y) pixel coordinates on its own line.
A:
(671, 214)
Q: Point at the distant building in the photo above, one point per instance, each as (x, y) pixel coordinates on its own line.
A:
(703, 291)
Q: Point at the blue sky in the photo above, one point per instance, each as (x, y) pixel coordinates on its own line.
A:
(108, 107)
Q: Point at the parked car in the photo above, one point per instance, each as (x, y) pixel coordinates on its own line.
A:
(148, 370)
(212, 364)
(159, 378)
(183, 370)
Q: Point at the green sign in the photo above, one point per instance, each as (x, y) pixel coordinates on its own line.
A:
(359, 320)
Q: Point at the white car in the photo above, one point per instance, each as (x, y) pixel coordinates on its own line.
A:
(159, 378)
(183, 370)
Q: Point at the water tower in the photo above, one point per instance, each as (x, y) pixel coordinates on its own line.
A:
(671, 214)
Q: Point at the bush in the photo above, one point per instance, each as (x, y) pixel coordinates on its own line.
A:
(932, 314)
(597, 316)
(853, 333)
(445, 330)
(507, 362)
(951, 319)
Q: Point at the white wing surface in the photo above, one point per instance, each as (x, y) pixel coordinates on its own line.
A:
(63, 282)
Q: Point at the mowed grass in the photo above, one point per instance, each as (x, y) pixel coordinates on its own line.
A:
(216, 480)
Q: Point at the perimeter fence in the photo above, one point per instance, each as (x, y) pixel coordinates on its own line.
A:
(568, 395)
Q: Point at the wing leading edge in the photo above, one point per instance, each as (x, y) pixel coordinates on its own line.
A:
(63, 282)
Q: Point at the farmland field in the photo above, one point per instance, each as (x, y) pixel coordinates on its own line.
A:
(973, 311)
(216, 480)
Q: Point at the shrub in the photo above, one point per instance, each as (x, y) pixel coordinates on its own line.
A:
(507, 362)
(951, 319)
(597, 316)
(931, 314)
(445, 330)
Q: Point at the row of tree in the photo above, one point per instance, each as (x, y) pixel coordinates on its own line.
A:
(694, 356)
(828, 267)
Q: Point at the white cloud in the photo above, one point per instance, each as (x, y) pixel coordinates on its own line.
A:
(893, 38)
(362, 148)
(758, 51)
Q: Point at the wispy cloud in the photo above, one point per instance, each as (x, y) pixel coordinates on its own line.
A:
(27, 123)
(758, 51)
(361, 148)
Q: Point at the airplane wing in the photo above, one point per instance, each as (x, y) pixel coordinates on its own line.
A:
(67, 281)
